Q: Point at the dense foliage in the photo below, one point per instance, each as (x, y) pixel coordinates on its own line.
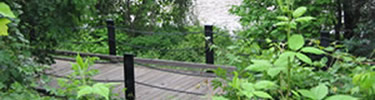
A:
(292, 67)
(47, 23)
(358, 26)
(349, 20)
(16, 66)
(284, 71)
(259, 23)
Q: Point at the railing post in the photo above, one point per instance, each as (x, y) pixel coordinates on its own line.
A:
(32, 36)
(129, 77)
(111, 37)
(324, 38)
(324, 42)
(209, 41)
(339, 19)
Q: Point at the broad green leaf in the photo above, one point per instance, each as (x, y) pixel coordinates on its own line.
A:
(329, 49)
(282, 61)
(307, 93)
(341, 97)
(248, 94)
(111, 84)
(5, 10)
(299, 12)
(79, 60)
(235, 81)
(2, 85)
(248, 86)
(320, 91)
(262, 94)
(4, 27)
(296, 41)
(259, 65)
(220, 72)
(257, 68)
(356, 79)
(282, 6)
(293, 25)
(304, 58)
(305, 19)
(312, 50)
(281, 24)
(282, 18)
(364, 80)
(288, 55)
(284, 9)
(280, 2)
(265, 85)
(84, 90)
(275, 71)
(219, 98)
(101, 89)
(296, 93)
(323, 61)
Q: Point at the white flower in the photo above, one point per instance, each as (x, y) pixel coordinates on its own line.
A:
(271, 8)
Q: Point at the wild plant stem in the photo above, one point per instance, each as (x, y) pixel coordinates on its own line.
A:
(82, 75)
(288, 78)
(281, 92)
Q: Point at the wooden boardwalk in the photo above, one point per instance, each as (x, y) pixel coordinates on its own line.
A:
(151, 84)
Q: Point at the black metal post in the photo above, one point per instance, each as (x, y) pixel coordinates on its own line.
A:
(111, 37)
(32, 36)
(324, 38)
(209, 41)
(324, 42)
(339, 20)
(129, 77)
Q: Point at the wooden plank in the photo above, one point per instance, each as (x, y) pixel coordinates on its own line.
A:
(149, 76)
(117, 75)
(189, 83)
(180, 64)
(60, 65)
(138, 90)
(167, 83)
(151, 61)
(183, 82)
(153, 77)
(108, 75)
(187, 80)
(53, 69)
(147, 91)
(142, 92)
(107, 57)
(202, 89)
(158, 80)
(118, 89)
(164, 93)
(193, 83)
(174, 94)
(141, 72)
(102, 69)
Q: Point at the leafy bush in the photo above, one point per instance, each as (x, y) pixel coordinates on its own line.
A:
(84, 88)
(187, 47)
(285, 72)
(16, 66)
(259, 16)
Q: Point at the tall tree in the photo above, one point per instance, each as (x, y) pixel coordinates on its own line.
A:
(359, 26)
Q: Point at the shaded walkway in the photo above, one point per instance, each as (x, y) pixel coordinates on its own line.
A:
(151, 84)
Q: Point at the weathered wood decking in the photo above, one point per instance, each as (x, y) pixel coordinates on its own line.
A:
(151, 84)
